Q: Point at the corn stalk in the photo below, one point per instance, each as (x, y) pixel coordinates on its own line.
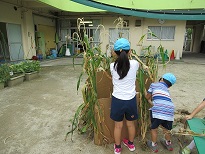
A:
(93, 59)
(145, 77)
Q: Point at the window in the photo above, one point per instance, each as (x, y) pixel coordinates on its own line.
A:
(90, 29)
(115, 33)
(162, 32)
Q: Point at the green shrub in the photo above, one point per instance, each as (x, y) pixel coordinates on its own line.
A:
(4, 72)
(16, 69)
(30, 66)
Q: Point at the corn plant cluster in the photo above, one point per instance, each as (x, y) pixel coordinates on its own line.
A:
(147, 76)
(94, 60)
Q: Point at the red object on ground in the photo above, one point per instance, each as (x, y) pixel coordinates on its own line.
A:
(34, 58)
(172, 55)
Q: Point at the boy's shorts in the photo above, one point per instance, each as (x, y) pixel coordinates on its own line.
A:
(156, 122)
(123, 108)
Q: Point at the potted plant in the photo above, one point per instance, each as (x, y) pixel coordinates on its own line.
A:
(4, 74)
(16, 74)
(31, 69)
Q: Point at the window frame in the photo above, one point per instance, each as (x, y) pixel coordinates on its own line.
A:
(157, 39)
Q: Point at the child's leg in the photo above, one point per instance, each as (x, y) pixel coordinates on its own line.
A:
(117, 132)
(131, 130)
(167, 141)
(191, 145)
(188, 148)
(153, 143)
(167, 134)
(154, 135)
(154, 131)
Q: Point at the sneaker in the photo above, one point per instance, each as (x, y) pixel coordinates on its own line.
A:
(117, 150)
(186, 150)
(169, 146)
(131, 147)
(153, 148)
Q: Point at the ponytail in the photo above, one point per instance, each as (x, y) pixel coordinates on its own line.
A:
(122, 63)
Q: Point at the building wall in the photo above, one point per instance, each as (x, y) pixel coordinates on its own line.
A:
(28, 35)
(135, 33)
(23, 17)
(40, 20)
(26, 19)
(8, 14)
(47, 27)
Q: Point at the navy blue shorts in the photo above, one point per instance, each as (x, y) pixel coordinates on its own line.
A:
(123, 108)
(156, 122)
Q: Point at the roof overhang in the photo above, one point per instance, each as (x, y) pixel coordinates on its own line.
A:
(68, 5)
(159, 9)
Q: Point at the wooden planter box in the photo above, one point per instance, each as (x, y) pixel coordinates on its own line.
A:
(16, 80)
(31, 76)
(1, 85)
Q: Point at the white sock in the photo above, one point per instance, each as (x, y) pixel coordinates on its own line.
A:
(191, 145)
(168, 142)
(153, 144)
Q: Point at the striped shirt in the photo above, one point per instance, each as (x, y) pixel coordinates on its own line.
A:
(163, 106)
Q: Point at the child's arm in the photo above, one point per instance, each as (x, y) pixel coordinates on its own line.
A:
(148, 96)
(196, 110)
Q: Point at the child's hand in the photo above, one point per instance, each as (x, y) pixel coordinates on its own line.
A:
(150, 102)
(188, 117)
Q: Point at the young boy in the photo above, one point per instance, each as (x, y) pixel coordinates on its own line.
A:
(162, 111)
(188, 149)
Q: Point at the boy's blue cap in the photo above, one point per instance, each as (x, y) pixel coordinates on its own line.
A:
(170, 77)
(122, 44)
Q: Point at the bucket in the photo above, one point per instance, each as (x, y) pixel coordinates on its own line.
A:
(40, 56)
(54, 53)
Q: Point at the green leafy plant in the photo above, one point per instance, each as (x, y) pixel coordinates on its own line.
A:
(4, 73)
(29, 66)
(16, 69)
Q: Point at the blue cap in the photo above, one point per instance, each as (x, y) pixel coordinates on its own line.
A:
(122, 44)
(169, 77)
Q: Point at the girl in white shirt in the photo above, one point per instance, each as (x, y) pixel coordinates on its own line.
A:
(123, 104)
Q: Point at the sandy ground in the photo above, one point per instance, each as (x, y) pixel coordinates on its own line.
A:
(35, 116)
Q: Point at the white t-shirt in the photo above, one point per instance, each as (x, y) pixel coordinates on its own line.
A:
(124, 89)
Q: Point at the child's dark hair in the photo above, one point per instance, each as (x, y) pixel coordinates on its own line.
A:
(167, 82)
(122, 63)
